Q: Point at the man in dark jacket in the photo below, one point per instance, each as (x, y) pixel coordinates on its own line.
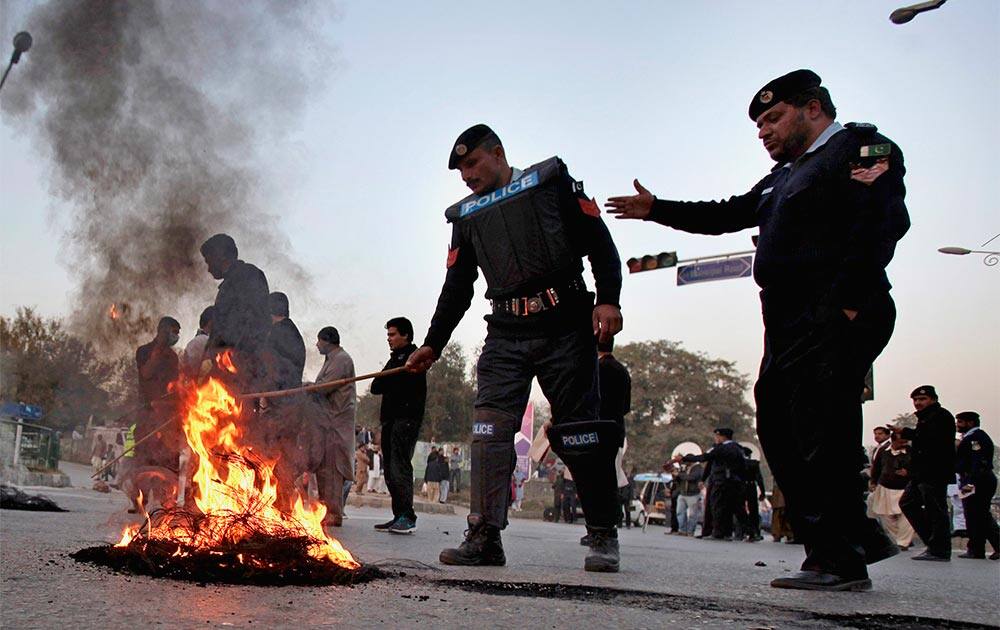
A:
(241, 321)
(401, 414)
(286, 351)
(726, 480)
(978, 484)
(932, 463)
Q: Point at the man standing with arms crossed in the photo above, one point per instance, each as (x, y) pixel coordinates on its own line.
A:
(830, 214)
(527, 230)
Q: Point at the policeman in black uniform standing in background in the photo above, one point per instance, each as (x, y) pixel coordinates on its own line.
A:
(974, 465)
(830, 214)
(527, 230)
(726, 494)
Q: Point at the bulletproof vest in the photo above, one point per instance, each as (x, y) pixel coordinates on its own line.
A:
(518, 231)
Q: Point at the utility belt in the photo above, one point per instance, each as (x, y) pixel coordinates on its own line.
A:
(544, 300)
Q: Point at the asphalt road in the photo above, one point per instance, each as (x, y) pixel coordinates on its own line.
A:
(665, 581)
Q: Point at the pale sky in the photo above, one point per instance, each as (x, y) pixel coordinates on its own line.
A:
(653, 90)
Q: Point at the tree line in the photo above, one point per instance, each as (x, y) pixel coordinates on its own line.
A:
(677, 395)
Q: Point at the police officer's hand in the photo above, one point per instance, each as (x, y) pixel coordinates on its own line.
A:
(421, 359)
(634, 207)
(607, 321)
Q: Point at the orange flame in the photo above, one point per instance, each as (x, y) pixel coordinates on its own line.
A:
(113, 312)
(230, 485)
(225, 361)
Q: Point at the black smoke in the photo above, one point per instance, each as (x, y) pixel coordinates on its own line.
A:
(157, 118)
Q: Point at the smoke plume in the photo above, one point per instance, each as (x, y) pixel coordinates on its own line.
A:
(155, 116)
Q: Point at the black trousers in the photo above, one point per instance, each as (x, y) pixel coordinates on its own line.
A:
(399, 439)
(708, 513)
(810, 426)
(566, 369)
(979, 521)
(725, 498)
(925, 505)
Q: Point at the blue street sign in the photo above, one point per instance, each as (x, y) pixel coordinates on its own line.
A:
(715, 270)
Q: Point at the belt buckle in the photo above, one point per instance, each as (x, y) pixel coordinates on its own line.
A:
(534, 305)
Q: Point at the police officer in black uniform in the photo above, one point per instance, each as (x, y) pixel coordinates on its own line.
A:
(728, 464)
(974, 465)
(830, 214)
(932, 467)
(527, 231)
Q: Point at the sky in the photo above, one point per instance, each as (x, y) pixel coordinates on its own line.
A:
(653, 90)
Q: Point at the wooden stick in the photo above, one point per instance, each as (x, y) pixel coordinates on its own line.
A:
(320, 386)
(132, 448)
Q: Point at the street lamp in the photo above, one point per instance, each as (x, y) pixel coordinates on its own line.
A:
(992, 258)
(903, 15)
(22, 42)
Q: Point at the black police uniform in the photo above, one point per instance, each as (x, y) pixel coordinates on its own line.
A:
(828, 224)
(753, 489)
(528, 238)
(974, 465)
(925, 500)
(725, 478)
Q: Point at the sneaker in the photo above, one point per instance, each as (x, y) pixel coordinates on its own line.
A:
(482, 547)
(603, 556)
(384, 527)
(403, 525)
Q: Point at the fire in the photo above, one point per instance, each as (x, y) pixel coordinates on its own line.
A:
(225, 361)
(113, 312)
(231, 479)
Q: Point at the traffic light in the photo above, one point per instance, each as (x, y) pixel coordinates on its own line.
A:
(650, 262)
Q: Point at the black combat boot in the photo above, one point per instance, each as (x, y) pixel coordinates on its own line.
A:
(482, 547)
(603, 554)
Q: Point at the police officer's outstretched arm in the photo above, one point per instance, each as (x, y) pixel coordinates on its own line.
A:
(700, 217)
(454, 301)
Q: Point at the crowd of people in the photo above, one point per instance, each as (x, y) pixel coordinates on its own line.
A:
(829, 215)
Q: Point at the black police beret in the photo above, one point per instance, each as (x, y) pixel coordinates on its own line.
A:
(467, 141)
(726, 433)
(971, 416)
(924, 390)
(780, 89)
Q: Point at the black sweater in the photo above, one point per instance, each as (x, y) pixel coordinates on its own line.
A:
(403, 395)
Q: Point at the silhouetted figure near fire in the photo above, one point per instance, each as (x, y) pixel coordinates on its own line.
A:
(286, 352)
(242, 319)
(158, 367)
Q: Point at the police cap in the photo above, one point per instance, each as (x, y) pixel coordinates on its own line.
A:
(724, 432)
(781, 89)
(968, 416)
(467, 142)
(924, 390)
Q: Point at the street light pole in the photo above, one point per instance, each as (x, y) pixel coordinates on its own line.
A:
(991, 259)
(22, 43)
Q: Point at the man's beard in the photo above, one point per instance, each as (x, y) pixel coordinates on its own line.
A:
(795, 145)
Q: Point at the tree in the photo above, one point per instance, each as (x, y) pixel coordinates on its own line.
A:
(680, 396)
(450, 395)
(43, 365)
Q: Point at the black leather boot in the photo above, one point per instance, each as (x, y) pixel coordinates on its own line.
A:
(603, 555)
(482, 547)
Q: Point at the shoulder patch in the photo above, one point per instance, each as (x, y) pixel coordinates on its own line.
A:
(590, 207)
(876, 150)
(452, 257)
(861, 126)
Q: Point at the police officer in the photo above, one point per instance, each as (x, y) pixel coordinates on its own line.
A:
(527, 231)
(727, 490)
(932, 468)
(830, 213)
(974, 465)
